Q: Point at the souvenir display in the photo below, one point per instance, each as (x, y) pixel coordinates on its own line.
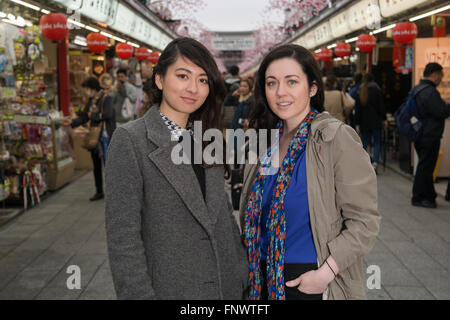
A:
(31, 141)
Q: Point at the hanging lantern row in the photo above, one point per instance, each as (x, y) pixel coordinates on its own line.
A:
(153, 57)
(366, 42)
(96, 42)
(142, 53)
(54, 26)
(342, 49)
(404, 32)
(124, 50)
(325, 54)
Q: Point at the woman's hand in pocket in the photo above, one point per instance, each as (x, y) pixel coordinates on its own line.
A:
(312, 282)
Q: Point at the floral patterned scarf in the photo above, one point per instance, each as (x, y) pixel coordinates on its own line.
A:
(276, 223)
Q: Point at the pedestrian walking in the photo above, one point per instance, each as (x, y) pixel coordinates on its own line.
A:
(337, 102)
(98, 111)
(170, 229)
(308, 225)
(370, 116)
(432, 112)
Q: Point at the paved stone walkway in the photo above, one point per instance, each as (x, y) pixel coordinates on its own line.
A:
(412, 250)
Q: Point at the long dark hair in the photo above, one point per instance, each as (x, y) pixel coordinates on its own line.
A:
(262, 116)
(210, 113)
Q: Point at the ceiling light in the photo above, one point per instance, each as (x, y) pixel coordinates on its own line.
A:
(351, 40)
(429, 13)
(80, 43)
(133, 44)
(26, 4)
(44, 11)
(332, 46)
(317, 51)
(79, 24)
(13, 22)
(91, 29)
(383, 29)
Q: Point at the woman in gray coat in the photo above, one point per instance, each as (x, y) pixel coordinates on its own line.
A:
(170, 229)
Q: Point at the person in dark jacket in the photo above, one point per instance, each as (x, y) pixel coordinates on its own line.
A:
(370, 115)
(100, 112)
(433, 110)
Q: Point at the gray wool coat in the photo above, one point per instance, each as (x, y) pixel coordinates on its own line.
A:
(164, 241)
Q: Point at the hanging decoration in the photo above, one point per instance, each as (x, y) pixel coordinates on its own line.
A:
(316, 56)
(124, 50)
(142, 53)
(54, 26)
(342, 49)
(96, 42)
(366, 42)
(325, 54)
(404, 32)
(439, 26)
(153, 57)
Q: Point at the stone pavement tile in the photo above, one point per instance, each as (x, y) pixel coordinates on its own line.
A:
(15, 234)
(393, 272)
(434, 246)
(427, 270)
(409, 293)
(5, 249)
(25, 286)
(389, 231)
(377, 294)
(57, 287)
(101, 286)
(14, 262)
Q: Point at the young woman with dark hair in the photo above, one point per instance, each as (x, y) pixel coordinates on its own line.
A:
(170, 229)
(309, 221)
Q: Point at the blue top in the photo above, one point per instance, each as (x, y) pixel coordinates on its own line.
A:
(299, 243)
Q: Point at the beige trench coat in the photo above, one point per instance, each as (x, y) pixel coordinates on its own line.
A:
(342, 196)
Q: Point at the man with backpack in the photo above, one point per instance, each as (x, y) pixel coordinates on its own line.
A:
(432, 112)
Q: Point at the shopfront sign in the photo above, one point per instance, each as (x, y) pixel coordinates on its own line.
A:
(100, 10)
(392, 7)
(233, 43)
(125, 21)
(70, 4)
(322, 33)
(364, 14)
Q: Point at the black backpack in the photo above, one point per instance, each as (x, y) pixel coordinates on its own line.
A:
(409, 123)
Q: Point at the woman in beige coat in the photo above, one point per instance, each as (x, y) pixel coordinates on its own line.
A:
(338, 103)
(325, 187)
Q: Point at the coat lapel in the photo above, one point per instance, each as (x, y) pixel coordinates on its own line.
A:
(181, 177)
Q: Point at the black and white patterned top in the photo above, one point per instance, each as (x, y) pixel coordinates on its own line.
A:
(175, 130)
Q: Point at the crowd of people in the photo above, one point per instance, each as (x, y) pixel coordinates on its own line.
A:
(304, 227)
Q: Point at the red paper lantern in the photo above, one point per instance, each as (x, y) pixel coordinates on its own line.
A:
(366, 42)
(404, 32)
(153, 57)
(342, 49)
(316, 56)
(96, 42)
(141, 53)
(124, 50)
(325, 54)
(54, 26)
